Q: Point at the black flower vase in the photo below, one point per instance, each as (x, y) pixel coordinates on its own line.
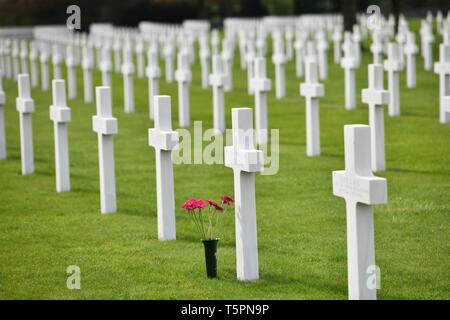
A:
(211, 257)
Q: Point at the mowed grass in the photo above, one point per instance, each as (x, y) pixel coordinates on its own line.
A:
(301, 225)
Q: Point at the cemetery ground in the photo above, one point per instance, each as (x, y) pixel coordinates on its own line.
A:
(301, 225)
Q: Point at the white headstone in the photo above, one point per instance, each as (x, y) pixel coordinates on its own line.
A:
(117, 47)
(15, 58)
(375, 96)
(168, 52)
(164, 140)
(71, 72)
(106, 127)
(250, 62)
(128, 74)
(262, 85)
(88, 65)
(105, 66)
(442, 67)
(140, 61)
(227, 58)
(279, 60)
(322, 52)
(411, 50)
(57, 58)
(153, 74)
(183, 76)
(24, 56)
(217, 80)
(34, 51)
(204, 60)
(312, 90)
(361, 190)
(2, 120)
(300, 49)
(25, 106)
(350, 64)
(245, 161)
(60, 115)
(377, 47)
(428, 40)
(44, 57)
(393, 66)
(337, 39)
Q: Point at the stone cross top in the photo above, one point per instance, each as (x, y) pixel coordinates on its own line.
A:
(106, 127)
(60, 115)
(361, 190)
(25, 106)
(261, 85)
(443, 69)
(245, 161)
(164, 140)
(217, 80)
(153, 73)
(183, 76)
(393, 66)
(375, 96)
(312, 90)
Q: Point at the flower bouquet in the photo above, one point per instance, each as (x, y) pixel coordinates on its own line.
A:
(206, 217)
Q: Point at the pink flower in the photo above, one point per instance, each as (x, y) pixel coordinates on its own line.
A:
(215, 205)
(192, 204)
(227, 200)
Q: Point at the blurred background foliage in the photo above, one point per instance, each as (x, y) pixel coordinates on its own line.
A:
(131, 12)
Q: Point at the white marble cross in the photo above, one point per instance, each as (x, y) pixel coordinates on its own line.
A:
(204, 60)
(428, 40)
(106, 127)
(15, 58)
(350, 64)
(24, 56)
(57, 58)
(44, 57)
(393, 66)
(106, 66)
(227, 58)
(279, 60)
(262, 85)
(377, 47)
(245, 161)
(299, 46)
(357, 39)
(168, 52)
(442, 67)
(361, 191)
(140, 60)
(25, 106)
(71, 72)
(164, 140)
(411, 50)
(8, 59)
(217, 80)
(337, 39)
(33, 56)
(88, 65)
(322, 53)
(250, 62)
(2, 120)
(289, 36)
(312, 90)
(375, 96)
(117, 47)
(128, 74)
(60, 115)
(183, 76)
(215, 41)
(153, 74)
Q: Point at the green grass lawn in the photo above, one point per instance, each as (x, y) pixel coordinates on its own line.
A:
(301, 225)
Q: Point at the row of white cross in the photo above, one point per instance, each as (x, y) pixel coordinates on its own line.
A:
(364, 145)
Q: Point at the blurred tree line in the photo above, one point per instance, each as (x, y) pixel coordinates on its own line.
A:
(131, 12)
